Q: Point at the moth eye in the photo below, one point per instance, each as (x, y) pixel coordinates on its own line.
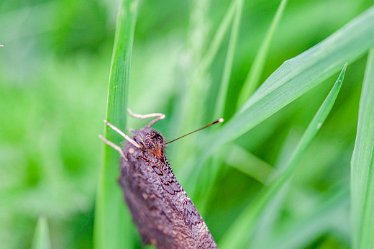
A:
(157, 137)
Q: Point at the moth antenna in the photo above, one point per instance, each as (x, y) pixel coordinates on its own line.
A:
(220, 120)
(116, 129)
(114, 146)
(158, 116)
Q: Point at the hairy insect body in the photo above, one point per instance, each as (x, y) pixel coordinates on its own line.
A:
(163, 213)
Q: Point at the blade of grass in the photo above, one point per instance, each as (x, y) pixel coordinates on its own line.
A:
(112, 221)
(219, 110)
(210, 172)
(253, 77)
(246, 162)
(304, 231)
(41, 237)
(218, 37)
(362, 165)
(297, 76)
(195, 91)
(267, 222)
(238, 234)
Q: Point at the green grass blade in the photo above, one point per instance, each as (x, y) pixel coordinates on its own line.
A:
(299, 75)
(218, 37)
(41, 237)
(362, 165)
(246, 162)
(195, 89)
(219, 110)
(212, 169)
(304, 231)
(112, 221)
(254, 74)
(238, 234)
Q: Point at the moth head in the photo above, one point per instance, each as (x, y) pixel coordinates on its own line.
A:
(151, 141)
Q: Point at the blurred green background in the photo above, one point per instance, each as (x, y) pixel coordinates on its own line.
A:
(54, 69)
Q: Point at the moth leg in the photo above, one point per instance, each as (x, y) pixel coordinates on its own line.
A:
(114, 146)
(158, 116)
(116, 129)
(130, 130)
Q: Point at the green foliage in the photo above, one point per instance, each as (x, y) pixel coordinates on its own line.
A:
(221, 98)
(238, 235)
(258, 181)
(253, 77)
(112, 221)
(41, 238)
(299, 75)
(362, 165)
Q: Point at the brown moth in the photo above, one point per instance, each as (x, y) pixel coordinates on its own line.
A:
(162, 211)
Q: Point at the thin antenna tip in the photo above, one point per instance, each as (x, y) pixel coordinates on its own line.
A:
(220, 120)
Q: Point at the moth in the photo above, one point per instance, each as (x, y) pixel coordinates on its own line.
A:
(162, 211)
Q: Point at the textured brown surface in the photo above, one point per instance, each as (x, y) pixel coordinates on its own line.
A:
(161, 209)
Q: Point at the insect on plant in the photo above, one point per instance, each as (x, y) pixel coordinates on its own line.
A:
(162, 211)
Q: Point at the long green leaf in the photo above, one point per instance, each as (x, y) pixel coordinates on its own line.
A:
(246, 162)
(302, 232)
(299, 75)
(362, 165)
(254, 74)
(41, 237)
(229, 60)
(218, 37)
(238, 234)
(212, 169)
(112, 221)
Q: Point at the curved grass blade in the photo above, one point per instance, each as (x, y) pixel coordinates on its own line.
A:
(219, 110)
(238, 234)
(212, 169)
(362, 165)
(41, 237)
(113, 228)
(246, 162)
(302, 233)
(218, 37)
(253, 77)
(298, 76)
